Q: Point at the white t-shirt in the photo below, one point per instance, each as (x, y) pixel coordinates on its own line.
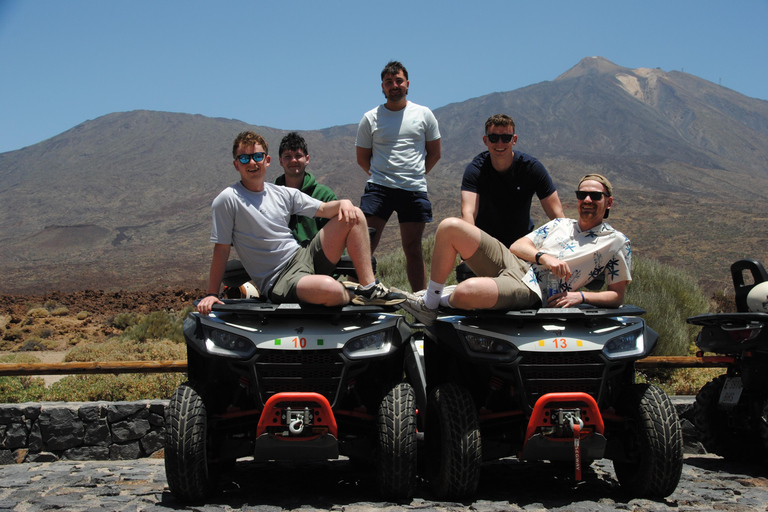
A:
(601, 250)
(256, 224)
(398, 140)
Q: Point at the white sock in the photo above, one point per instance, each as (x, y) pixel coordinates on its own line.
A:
(444, 299)
(432, 297)
(369, 285)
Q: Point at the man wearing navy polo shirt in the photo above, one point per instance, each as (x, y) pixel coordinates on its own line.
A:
(499, 184)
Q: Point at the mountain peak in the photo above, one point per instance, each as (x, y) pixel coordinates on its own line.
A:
(592, 66)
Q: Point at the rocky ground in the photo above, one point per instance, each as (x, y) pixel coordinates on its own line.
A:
(708, 483)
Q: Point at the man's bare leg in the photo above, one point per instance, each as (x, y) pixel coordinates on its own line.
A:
(411, 234)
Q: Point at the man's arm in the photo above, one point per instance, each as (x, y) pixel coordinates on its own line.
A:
(613, 297)
(525, 249)
(364, 158)
(552, 206)
(218, 267)
(343, 209)
(433, 148)
(469, 206)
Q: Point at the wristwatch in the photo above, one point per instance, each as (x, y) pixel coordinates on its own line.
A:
(539, 255)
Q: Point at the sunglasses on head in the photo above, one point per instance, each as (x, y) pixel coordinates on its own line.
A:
(595, 196)
(506, 138)
(257, 157)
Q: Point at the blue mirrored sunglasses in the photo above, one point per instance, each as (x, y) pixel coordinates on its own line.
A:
(257, 157)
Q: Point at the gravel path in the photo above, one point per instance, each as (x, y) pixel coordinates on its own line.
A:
(708, 483)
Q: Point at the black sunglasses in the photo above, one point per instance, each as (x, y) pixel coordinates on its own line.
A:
(257, 157)
(506, 138)
(595, 196)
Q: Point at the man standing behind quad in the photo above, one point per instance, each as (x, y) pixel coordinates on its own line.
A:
(498, 185)
(253, 216)
(398, 143)
(294, 158)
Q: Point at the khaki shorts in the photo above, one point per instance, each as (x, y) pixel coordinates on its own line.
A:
(495, 261)
(307, 261)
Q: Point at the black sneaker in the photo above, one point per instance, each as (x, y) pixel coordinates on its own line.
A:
(377, 295)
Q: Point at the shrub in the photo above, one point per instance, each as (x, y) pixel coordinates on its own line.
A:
(158, 325)
(15, 390)
(119, 349)
(38, 313)
(35, 344)
(83, 315)
(60, 311)
(669, 297)
(123, 321)
(114, 388)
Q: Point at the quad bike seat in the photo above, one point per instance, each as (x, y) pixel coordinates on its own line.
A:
(746, 275)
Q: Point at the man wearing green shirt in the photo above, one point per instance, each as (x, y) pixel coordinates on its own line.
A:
(294, 157)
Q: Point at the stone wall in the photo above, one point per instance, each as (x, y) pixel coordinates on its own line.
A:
(52, 431)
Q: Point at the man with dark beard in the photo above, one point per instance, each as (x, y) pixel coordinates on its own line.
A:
(398, 143)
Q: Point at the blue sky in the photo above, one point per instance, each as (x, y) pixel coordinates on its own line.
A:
(307, 65)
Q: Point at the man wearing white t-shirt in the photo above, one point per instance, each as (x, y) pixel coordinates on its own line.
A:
(575, 252)
(253, 216)
(397, 144)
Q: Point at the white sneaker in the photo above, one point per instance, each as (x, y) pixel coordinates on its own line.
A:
(415, 306)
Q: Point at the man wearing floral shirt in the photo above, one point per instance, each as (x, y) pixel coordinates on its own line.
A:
(575, 251)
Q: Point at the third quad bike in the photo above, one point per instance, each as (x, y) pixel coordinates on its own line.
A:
(547, 384)
(294, 382)
(731, 411)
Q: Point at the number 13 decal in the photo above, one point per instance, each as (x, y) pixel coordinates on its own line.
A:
(560, 343)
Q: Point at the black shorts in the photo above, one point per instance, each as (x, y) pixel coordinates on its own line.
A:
(378, 201)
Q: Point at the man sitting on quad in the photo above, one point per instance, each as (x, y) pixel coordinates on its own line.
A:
(576, 252)
(254, 216)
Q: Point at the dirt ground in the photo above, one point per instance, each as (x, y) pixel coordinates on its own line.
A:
(74, 317)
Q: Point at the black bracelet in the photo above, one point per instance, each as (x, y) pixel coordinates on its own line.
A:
(539, 255)
(212, 295)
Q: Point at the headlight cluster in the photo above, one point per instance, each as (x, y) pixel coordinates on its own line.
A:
(626, 345)
(488, 345)
(368, 345)
(229, 344)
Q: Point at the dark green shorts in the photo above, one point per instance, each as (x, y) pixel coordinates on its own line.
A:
(307, 261)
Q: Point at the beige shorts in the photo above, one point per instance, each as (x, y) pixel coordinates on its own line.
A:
(307, 261)
(495, 261)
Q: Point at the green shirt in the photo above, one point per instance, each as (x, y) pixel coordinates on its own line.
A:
(305, 228)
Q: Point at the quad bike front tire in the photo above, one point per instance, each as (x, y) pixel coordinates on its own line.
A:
(764, 424)
(653, 460)
(191, 475)
(396, 463)
(715, 432)
(454, 446)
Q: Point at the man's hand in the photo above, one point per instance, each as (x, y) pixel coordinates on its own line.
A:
(205, 306)
(565, 300)
(348, 213)
(558, 267)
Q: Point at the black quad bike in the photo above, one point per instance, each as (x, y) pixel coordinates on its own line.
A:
(294, 382)
(547, 384)
(731, 411)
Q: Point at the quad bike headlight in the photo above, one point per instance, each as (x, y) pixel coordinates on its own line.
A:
(626, 345)
(368, 345)
(225, 343)
(488, 345)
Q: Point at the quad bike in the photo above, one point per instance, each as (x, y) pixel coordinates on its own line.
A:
(547, 384)
(731, 411)
(294, 382)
